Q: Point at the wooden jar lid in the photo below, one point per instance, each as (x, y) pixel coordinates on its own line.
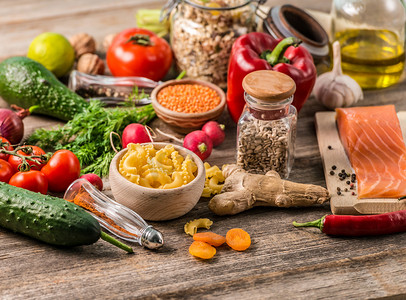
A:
(269, 85)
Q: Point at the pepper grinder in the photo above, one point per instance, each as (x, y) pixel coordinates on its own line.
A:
(112, 216)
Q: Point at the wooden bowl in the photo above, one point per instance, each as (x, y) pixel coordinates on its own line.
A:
(187, 122)
(157, 204)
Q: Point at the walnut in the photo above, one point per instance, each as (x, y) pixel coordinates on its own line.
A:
(83, 43)
(108, 39)
(91, 64)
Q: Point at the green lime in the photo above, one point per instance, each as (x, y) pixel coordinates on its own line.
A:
(54, 51)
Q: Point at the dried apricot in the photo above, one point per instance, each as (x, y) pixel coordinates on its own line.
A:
(202, 250)
(210, 238)
(238, 239)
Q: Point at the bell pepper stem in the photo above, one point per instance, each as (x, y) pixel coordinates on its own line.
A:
(111, 240)
(317, 223)
(276, 55)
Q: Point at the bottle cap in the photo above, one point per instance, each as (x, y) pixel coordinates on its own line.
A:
(152, 238)
(267, 85)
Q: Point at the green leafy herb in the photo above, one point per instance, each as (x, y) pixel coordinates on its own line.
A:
(88, 134)
(135, 96)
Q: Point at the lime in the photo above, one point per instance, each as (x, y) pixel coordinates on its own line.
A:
(54, 51)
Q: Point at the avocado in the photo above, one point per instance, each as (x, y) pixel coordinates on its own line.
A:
(28, 84)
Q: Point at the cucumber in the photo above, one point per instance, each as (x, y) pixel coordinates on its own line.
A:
(49, 219)
(27, 83)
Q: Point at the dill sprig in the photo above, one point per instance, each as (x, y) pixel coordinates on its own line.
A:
(88, 134)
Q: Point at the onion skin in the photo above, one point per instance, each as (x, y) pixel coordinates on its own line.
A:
(11, 125)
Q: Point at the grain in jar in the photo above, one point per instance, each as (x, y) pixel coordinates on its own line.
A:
(267, 126)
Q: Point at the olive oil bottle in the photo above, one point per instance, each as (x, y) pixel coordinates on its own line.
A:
(374, 58)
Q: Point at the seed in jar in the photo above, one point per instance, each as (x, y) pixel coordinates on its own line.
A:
(188, 98)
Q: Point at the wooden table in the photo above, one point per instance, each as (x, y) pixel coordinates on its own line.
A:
(282, 263)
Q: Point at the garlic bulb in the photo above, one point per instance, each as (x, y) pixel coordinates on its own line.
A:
(334, 89)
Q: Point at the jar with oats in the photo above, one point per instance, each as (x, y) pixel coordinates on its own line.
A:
(203, 32)
(266, 130)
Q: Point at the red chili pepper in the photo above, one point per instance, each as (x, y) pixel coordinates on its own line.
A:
(260, 51)
(387, 223)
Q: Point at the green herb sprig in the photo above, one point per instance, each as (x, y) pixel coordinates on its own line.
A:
(88, 134)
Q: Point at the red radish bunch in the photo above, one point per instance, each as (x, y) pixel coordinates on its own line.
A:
(215, 131)
(135, 133)
(198, 142)
(201, 142)
(94, 179)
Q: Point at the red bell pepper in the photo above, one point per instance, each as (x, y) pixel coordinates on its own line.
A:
(260, 51)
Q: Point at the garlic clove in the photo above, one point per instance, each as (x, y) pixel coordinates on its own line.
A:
(334, 89)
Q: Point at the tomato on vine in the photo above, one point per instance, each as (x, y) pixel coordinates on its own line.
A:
(32, 180)
(28, 151)
(139, 52)
(6, 171)
(5, 144)
(61, 170)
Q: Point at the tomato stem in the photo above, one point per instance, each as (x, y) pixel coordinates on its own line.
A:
(141, 39)
(25, 166)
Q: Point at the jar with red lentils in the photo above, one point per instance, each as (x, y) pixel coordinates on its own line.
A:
(267, 127)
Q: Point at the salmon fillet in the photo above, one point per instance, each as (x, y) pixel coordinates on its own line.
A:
(373, 140)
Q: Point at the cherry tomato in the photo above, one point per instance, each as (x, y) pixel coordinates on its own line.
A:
(139, 52)
(6, 171)
(15, 161)
(61, 170)
(32, 180)
(6, 147)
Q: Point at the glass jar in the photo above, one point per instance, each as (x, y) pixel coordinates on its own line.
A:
(372, 35)
(203, 32)
(266, 130)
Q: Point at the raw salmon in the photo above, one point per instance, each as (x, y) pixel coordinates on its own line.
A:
(373, 140)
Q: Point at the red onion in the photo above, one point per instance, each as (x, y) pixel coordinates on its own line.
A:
(11, 124)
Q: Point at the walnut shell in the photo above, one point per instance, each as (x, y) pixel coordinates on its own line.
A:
(83, 43)
(108, 39)
(91, 64)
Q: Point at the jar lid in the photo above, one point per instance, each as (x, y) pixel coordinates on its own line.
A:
(269, 85)
(289, 20)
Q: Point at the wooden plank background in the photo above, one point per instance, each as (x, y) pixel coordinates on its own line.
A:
(282, 263)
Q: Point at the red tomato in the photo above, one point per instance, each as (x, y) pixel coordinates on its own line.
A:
(6, 147)
(6, 171)
(15, 161)
(139, 52)
(32, 180)
(61, 170)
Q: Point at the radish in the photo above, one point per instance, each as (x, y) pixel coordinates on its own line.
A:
(198, 142)
(135, 133)
(94, 179)
(215, 131)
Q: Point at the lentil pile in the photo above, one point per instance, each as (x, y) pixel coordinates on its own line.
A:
(188, 98)
(266, 145)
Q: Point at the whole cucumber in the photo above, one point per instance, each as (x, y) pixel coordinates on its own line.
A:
(27, 83)
(46, 218)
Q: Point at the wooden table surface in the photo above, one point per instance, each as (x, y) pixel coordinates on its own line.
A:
(282, 263)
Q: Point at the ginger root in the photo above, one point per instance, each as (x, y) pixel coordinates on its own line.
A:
(243, 191)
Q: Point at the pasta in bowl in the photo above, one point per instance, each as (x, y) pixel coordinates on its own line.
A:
(159, 181)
